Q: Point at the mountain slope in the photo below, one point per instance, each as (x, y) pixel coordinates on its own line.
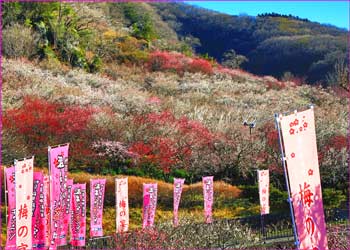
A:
(200, 113)
(157, 113)
(274, 44)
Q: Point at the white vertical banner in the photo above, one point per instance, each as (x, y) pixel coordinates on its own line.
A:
(208, 195)
(178, 184)
(300, 148)
(47, 210)
(24, 194)
(58, 166)
(264, 180)
(121, 205)
(150, 193)
(97, 193)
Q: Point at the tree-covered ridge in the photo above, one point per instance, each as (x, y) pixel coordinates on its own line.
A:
(93, 34)
(274, 44)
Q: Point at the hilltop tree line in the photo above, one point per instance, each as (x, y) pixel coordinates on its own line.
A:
(273, 14)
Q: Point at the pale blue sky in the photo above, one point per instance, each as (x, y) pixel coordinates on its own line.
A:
(325, 12)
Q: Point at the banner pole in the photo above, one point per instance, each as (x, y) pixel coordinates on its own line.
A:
(261, 215)
(50, 193)
(296, 240)
(5, 194)
(262, 227)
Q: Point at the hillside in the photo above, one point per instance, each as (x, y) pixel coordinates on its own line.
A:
(283, 46)
(273, 44)
(199, 119)
(132, 97)
(142, 90)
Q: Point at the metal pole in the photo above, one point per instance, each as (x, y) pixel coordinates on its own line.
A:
(286, 178)
(261, 215)
(5, 192)
(262, 227)
(50, 192)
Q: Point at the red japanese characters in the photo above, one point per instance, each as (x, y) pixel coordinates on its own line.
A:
(97, 191)
(299, 137)
(24, 193)
(122, 205)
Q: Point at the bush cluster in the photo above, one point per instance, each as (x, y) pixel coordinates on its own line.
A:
(19, 41)
(177, 62)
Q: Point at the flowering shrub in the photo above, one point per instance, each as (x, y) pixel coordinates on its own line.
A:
(271, 151)
(160, 151)
(177, 62)
(200, 65)
(38, 120)
(111, 149)
(185, 139)
(42, 123)
(333, 162)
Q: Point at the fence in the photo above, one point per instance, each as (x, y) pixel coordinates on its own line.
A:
(275, 228)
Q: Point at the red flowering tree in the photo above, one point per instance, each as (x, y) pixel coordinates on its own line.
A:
(333, 161)
(267, 153)
(171, 142)
(200, 65)
(177, 62)
(41, 123)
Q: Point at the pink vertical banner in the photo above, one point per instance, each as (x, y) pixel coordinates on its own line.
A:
(78, 220)
(264, 187)
(24, 194)
(208, 193)
(149, 204)
(11, 209)
(66, 214)
(47, 213)
(97, 193)
(58, 166)
(38, 211)
(299, 138)
(122, 205)
(178, 184)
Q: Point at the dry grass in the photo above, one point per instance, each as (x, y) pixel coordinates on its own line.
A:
(191, 197)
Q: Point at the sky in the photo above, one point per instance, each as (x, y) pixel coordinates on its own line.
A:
(324, 12)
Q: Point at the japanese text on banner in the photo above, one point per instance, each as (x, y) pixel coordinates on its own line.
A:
(122, 205)
(263, 179)
(38, 210)
(58, 165)
(11, 222)
(208, 193)
(178, 184)
(299, 137)
(149, 204)
(97, 190)
(78, 219)
(24, 193)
